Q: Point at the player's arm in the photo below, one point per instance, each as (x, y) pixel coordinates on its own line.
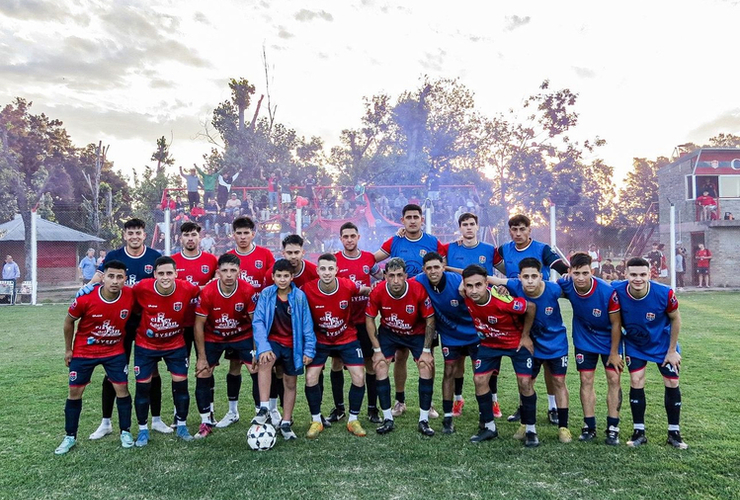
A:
(673, 356)
(380, 255)
(199, 338)
(372, 334)
(426, 353)
(309, 336)
(69, 335)
(615, 359)
(496, 281)
(526, 341)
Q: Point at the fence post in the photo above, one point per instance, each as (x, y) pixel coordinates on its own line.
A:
(168, 232)
(673, 246)
(34, 257)
(298, 221)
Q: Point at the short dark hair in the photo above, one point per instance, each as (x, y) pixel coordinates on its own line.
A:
(580, 259)
(189, 226)
(410, 208)
(638, 262)
(163, 261)
(466, 216)
(530, 262)
(432, 256)
(327, 256)
(114, 264)
(229, 258)
(282, 265)
(474, 270)
(396, 263)
(520, 219)
(348, 225)
(292, 239)
(134, 224)
(243, 222)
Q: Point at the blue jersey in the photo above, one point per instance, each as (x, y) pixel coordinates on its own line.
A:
(592, 328)
(460, 256)
(548, 331)
(646, 321)
(511, 256)
(451, 315)
(137, 268)
(412, 251)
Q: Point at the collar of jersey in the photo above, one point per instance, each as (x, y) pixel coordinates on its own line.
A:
(254, 247)
(132, 256)
(100, 294)
(590, 290)
(627, 289)
(402, 295)
(191, 258)
(531, 240)
(236, 287)
(318, 285)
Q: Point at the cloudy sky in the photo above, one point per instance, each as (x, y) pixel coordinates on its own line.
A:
(650, 75)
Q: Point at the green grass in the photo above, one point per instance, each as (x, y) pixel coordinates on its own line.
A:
(401, 465)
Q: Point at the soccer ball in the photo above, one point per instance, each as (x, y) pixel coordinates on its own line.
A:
(261, 437)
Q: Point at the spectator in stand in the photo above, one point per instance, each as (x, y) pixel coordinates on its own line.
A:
(655, 257)
(663, 271)
(272, 189)
(608, 271)
(399, 202)
(709, 188)
(310, 184)
(179, 206)
(224, 187)
(88, 266)
(729, 216)
(593, 252)
(234, 203)
(192, 182)
(198, 213)
(680, 265)
(223, 224)
(383, 205)
(209, 181)
(703, 257)
(621, 267)
(707, 206)
(285, 194)
(248, 207)
(168, 202)
(101, 257)
(434, 188)
(212, 210)
(207, 242)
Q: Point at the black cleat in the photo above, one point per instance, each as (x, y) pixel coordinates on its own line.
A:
(336, 414)
(675, 440)
(425, 429)
(552, 416)
(531, 440)
(484, 434)
(373, 416)
(638, 439)
(612, 436)
(587, 434)
(326, 423)
(447, 426)
(515, 417)
(388, 426)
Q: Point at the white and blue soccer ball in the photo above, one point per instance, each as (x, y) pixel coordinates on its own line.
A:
(261, 437)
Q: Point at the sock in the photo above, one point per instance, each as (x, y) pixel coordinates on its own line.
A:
(356, 394)
(337, 387)
(272, 404)
(125, 406)
(529, 409)
(234, 406)
(530, 428)
(143, 427)
(203, 396)
(155, 397)
(637, 405)
(72, 410)
(387, 415)
(459, 387)
(612, 422)
(205, 418)
(426, 389)
(321, 384)
(673, 407)
(491, 426)
(551, 402)
(384, 394)
(313, 396)
(493, 385)
(563, 414)
(423, 415)
(181, 397)
(212, 385)
(485, 408)
(372, 390)
(401, 396)
(233, 386)
(109, 398)
(265, 404)
(447, 407)
(255, 390)
(590, 422)
(141, 402)
(352, 417)
(280, 388)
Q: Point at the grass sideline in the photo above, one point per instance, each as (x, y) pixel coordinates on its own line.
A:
(402, 465)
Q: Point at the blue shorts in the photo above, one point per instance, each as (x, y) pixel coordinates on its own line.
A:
(365, 344)
(284, 358)
(242, 348)
(558, 366)
(390, 341)
(350, 354)
(586, 361)
(452, 353)
(81, 370)
(145, 360)
(635, 365)
(489, 361)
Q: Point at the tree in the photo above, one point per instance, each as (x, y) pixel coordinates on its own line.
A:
(724, 141)
(640, 191)
(149, 186)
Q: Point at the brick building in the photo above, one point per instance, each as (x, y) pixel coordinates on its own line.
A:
(701, 219)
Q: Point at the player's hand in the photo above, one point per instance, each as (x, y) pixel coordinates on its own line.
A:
(674, 359)
(526, 343)
(502, 290)
(67, 356)
(426, 359)
(200, 366)
(401, 232)
(616, 361)
(267, 357)
(306, 360)
(86, 289)
(378, 358)
(254, 366)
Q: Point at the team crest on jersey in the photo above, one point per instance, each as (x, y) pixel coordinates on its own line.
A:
(137, 370)
(650, 316)
(74, 304)
(482, 259)
(422, 252)
(548, 310)
(148, 269)
(205, 269)
(596, 313)
(72, 376)
(239, 306)
(258, 264)
(454, 303)
(579, 358)
(410, 309)
(124, 313)
(517, 305)
(177, 306)
(492, 320)
(366, 269)
(343, 304)
(478, 362)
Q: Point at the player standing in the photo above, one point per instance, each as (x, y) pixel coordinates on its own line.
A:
(294, 253)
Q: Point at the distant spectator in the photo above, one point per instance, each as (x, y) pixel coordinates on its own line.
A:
(192, 182)
(680, 266)
(88, 265)
(168, 202)
(101, 257)
(595, 255)
(707, 206)
(272, 190)
(179, 206)
(709, 189)
(233, 204)
(248, 207)
(434, 188)
(198, 213)
(620, 268)
(207, 243)
(655, 257)
(310, 184)
(399, 202)
(703, 256)
(729, 216)
(608, 271)
(285, 195)
(212, 210)
(663, 271)
(383, 205)
(224, 187)
(11, 271)
(209, 181)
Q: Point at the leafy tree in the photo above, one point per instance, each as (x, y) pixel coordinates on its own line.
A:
(640, 191)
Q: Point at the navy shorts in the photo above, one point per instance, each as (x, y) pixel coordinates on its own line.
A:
(145, 361)
(230, 354)
(284, 358)
(128, 340)
(81, 370)
(350, 354)
(558, 366)
(189, 334)
(390, 341)
(636, 364)
(365, 344)
(452, 353)
(586, 361)
(489, 361)
(242, 348)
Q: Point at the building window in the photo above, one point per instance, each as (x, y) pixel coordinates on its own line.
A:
(729, 186)
(690, 187)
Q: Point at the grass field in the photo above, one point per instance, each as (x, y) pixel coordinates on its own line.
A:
(403, 464)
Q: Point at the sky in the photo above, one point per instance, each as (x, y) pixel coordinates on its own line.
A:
(649, 75)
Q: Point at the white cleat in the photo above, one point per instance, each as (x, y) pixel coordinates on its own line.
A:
(229, 418)
(102, 431)
(161, 427)
(275, 418)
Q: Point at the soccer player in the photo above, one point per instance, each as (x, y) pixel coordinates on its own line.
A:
(502, 333)
(360, 267)
(411, 247)
(597, 333)
(283, 334)
(223, 320)
(454, 325)
(98, 341)
(139, 260)
(330, 298)
(549, 337)
(652, 321)
(160, 336)
(406, 321)
(294, 253)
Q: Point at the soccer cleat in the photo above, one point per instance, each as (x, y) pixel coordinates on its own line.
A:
(102, 431)
(424, 428)
(355, 428)
(160, 426)
(398, 409)
(229, 418)
(531, 440)
(552, 416)
(336, 414)
(325, 422)
(373, 416)
(204, 431)
(638, 439)
(314, 430)
(484, 434)
(564, 435)
(457, 407)
(612, 436)
(127, 440)
(275, 418)
(287, 431)
(675, 440)
(142, 439)
(497, 410)
(67, 443)
(182, 433)
(261, 417)
(432, 412)
(447, 426)
(521, 432)
(515, 417)
(587, 434)
(388, 426)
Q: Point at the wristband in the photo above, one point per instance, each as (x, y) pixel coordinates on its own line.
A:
(427, 350)
(377, 349)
